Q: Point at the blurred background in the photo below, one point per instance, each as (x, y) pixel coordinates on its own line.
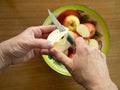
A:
(17, 15)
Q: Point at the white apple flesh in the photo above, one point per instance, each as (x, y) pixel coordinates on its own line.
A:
(92, 29)
(59, 39)
(92, 42)
(83, 30)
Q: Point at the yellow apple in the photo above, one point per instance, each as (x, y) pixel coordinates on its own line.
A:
(71, 22)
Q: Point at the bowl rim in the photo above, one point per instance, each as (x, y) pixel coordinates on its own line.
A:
(88, 10)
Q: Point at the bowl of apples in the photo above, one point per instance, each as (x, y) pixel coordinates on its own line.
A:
(79, 21)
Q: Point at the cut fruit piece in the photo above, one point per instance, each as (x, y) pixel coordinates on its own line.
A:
(59, 39)
(71, 22)
(83, 30)
(93, 42)
(92, 29)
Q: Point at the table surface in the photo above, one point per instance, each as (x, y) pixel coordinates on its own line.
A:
(17, 15)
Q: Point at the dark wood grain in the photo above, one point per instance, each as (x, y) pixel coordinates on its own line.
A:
(17, 15)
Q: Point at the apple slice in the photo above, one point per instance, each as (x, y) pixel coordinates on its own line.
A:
(92, 42)
(71, 22)
(59, 39)
(83, 30)
(92, 29)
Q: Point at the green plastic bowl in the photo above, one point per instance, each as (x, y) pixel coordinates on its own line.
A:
(101, 27)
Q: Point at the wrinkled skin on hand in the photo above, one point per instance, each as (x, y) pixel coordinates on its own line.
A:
(88, 66)
(30, 43)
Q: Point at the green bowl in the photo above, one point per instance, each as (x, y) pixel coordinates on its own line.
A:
(101, 27)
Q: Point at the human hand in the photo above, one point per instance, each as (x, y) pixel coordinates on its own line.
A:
(30, 43)
(88, 66)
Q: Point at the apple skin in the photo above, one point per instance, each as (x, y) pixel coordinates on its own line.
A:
(66, 13)
(71, 22)
(92, 29)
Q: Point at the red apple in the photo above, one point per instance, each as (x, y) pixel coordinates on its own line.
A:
(92, 29)
(66, 13)
(71, 22)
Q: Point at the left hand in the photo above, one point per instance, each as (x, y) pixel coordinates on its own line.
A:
(30, 43)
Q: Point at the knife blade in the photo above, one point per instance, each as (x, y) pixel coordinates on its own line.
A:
(55, 21)
(61, 29)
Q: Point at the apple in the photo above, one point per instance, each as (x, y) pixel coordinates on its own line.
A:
(83, 30)
(66, 13)
(92, 42)
(66, 52)
(71, 22)
(92, 29)
(59, 39)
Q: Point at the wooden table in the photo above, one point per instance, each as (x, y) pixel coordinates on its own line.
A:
(17, 15)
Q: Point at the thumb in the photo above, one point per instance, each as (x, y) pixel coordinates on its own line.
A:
(60, 56)
(42, 43)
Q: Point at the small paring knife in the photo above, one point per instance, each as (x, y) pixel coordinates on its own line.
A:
(61, 29)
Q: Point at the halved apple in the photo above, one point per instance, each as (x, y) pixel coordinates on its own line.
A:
(71, 22)
(92, 28)
(83, 30)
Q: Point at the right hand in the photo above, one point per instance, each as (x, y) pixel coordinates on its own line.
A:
(88, 66)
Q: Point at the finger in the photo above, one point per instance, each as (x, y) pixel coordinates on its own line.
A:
(48, 28)
(45, 51)
(60, 56)
(45, 36)
(41, 43)
(40, 30)
(38, 51)
(81, 46)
